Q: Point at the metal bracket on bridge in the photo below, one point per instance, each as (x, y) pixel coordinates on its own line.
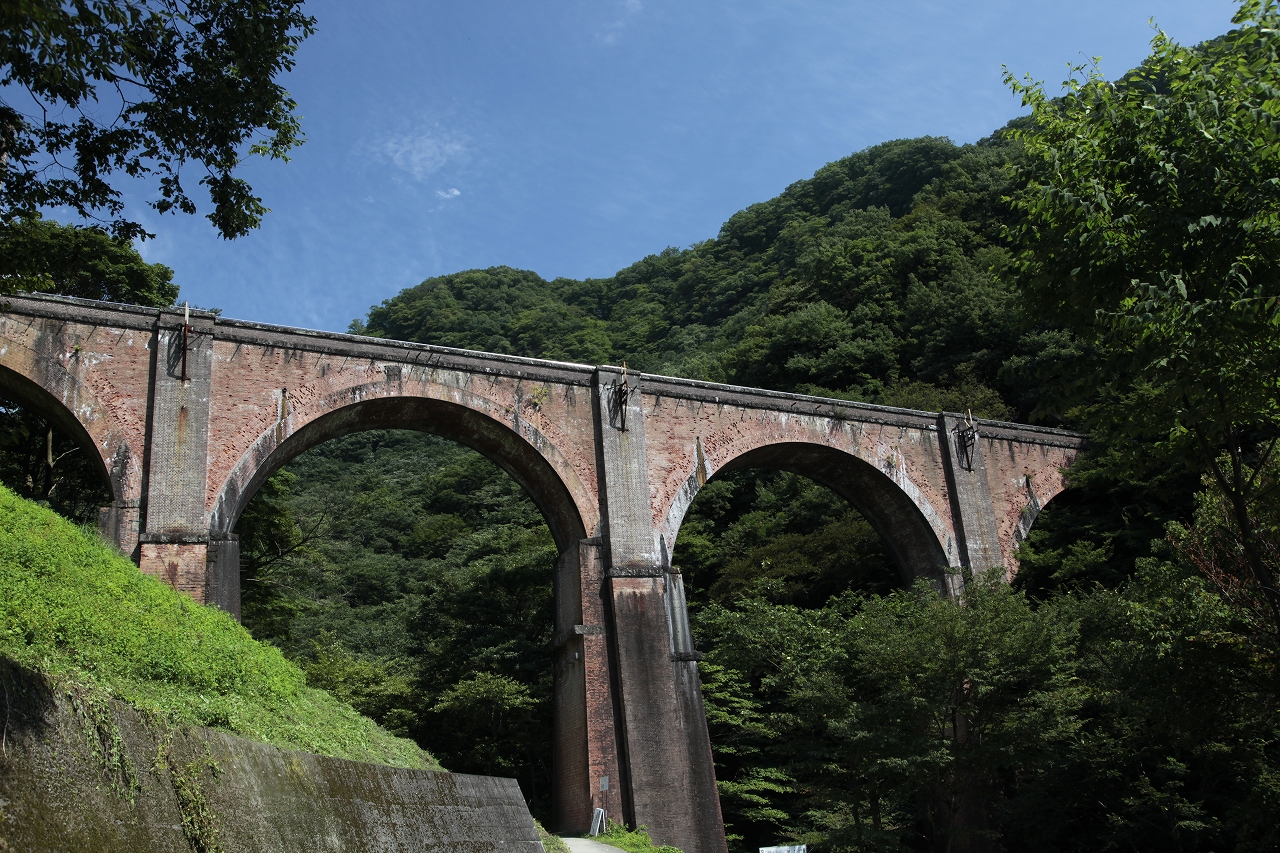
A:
(576, 631)
(966, 437)
(186, 334)
(621, 396)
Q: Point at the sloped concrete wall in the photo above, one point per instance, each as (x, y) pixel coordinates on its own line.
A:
(79, 777)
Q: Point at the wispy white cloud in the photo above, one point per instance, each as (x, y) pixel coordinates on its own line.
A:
(424, 152)
(610, 31)
(452, 192)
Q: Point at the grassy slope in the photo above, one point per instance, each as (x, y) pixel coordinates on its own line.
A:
(76, 610)
(633, 841)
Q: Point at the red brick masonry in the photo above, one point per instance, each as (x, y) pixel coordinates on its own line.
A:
(183, 456)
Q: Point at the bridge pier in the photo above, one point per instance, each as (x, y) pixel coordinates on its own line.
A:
(972, 511)
(666, 756)
(587, 774)
(174, 541)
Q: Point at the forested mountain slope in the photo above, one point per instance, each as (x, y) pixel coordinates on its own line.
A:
(413, 579)
(879, 278)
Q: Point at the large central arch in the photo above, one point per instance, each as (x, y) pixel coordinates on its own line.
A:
(496, 441)
(526, 463)
(901, 521)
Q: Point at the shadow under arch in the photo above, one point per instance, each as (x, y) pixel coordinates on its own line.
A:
(892, 513)
(30, 394)
(492, 439)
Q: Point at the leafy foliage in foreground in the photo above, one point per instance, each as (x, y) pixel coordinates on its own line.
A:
(75, 610)
(143, 88)
(1140, 718)
(1151, 227)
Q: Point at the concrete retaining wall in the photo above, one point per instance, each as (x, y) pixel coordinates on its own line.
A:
(82, 776)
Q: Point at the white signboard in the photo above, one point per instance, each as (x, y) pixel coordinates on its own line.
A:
(786, 848)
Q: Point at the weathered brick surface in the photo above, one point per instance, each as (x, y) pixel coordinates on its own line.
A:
(88, 376)
(1023, 476)
(613, 473)
(181, 565)
(599, 689)
(178, 438)
(693, 439)
(272, 401)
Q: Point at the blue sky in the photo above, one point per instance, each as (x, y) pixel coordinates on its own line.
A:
(573, 138)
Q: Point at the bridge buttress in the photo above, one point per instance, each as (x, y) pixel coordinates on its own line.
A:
(972, 509)
(120, 523)
(174, 542)
(666, 757)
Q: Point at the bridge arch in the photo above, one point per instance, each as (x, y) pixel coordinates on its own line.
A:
(526, 455)
(72, 407)
(1038, 497)
(909, 525)
(514, 445)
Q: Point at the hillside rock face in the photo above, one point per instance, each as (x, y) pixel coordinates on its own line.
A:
(85, 774)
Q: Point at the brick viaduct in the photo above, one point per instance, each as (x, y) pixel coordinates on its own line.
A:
(189, 422)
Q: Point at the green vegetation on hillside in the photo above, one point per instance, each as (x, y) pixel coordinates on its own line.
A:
(1106, 263)
(40, 255)
(76, 611)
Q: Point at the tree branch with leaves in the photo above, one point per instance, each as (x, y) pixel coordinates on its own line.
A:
(94, 90)
(1151, 227)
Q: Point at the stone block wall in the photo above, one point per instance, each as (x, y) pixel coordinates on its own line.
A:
(83, 783)
(182, 565)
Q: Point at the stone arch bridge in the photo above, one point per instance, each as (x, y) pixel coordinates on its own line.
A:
(189, 418)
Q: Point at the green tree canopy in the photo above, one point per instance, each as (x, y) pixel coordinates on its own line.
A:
(39, 255)
(143, 87)
(1152, 229)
